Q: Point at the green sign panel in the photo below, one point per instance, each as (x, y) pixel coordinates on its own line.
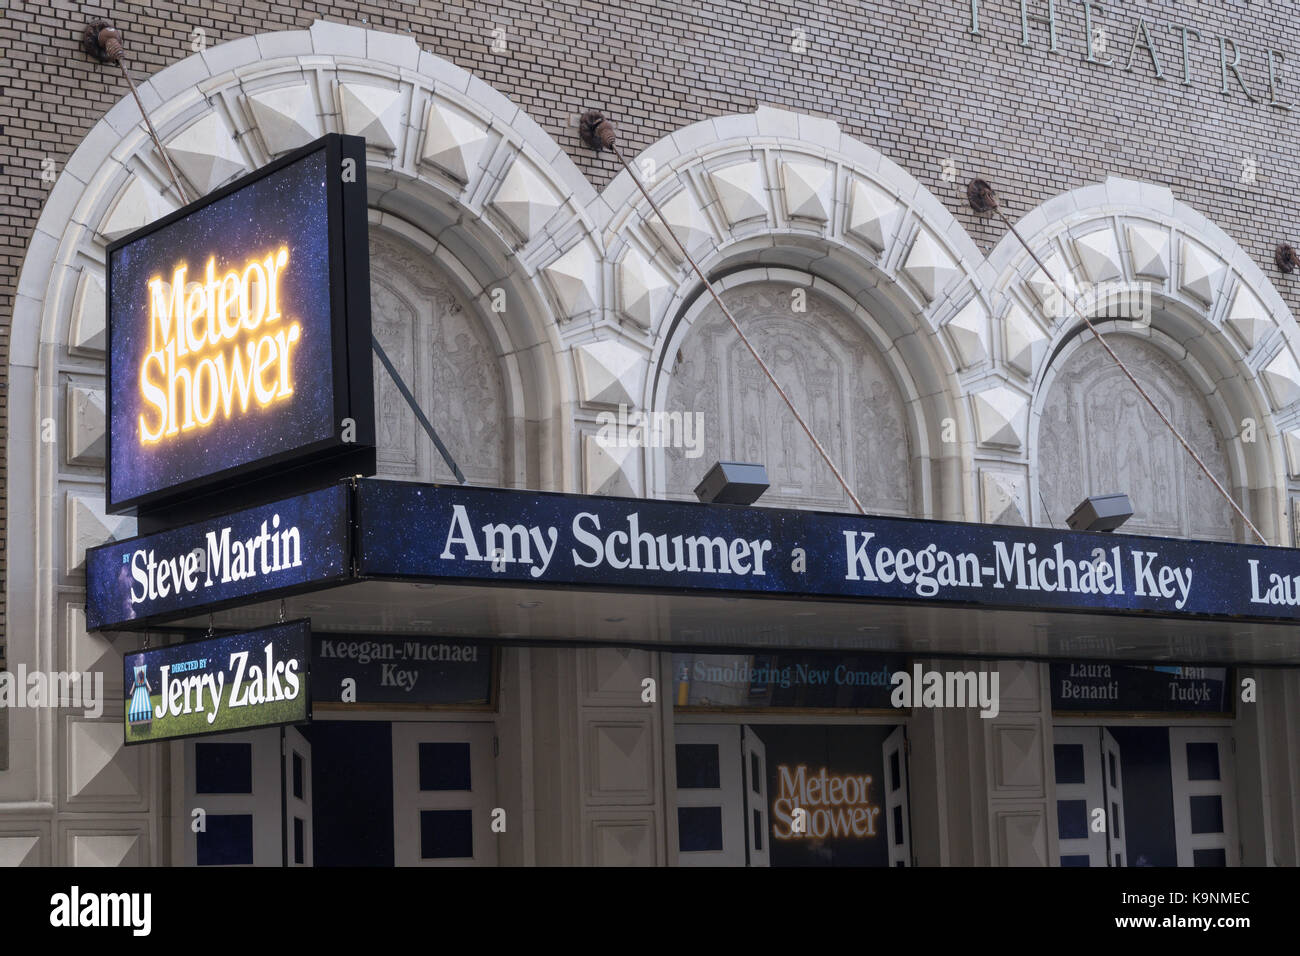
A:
(234, 682)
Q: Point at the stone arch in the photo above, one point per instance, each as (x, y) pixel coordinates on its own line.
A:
(830, 358)
(458, 172)
(1094, 434)
(447, 356)
(792, 194)
(1211, 309)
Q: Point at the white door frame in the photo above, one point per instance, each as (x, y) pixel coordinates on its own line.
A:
(728, 796)
(409, 800)
(1092, 791)
(262, 804)
(1225, 788)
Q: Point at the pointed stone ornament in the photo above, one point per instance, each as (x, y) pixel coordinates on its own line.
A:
(86, 425)
(1003, 498)
(206, 154)
(1201, 271)
(105, 849)
(99, 765)
(87, 526)
(20, 849)
(687, 221)
(286, 117)
(968, 331)
(1051, 305)
(1000, 417)
(452, 142)
(575, 276)
(1282, 377)
(644, 290)
(740, 190)
(90, 652)
(1148, 250)
(1248, 318)
(807, 189)
(374, 112)
(524, 199)
(610, 468)
(139, 205)
(1025, 341)
(609, 373)
(1099, 253)
(87, 330)
(928, 265)
(1292, 441)
(873, 215)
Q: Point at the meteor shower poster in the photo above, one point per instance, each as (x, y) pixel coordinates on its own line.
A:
(836, 774)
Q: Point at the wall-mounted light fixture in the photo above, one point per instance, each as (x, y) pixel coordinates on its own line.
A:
(1101, 513)
(732, 483)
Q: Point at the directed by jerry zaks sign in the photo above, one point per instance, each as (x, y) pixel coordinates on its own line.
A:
(234, 682)
(267, 551)
(433, 531)
(239, 333)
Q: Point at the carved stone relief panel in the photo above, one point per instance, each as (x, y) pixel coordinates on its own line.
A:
(834, 376)
(443, 354)
(1098, 436)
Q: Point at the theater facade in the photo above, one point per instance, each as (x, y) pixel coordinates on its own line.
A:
(568, 659)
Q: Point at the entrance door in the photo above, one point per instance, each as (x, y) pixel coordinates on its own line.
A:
(1114, 789)
(756, 802)
(1205, 804)
(444, 792)
(899, 823)
(1080, 791)
(231, 800)
(710, 795)
(297, 798)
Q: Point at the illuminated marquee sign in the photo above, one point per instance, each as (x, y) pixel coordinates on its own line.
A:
(239, 334)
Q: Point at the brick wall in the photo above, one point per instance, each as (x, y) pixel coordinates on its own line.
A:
(903, 75)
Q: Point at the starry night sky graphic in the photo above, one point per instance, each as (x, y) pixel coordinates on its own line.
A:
(287, 207)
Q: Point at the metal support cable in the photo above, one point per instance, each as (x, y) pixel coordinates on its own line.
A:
(103, 41)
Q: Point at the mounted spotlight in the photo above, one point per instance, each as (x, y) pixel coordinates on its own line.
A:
(1101, 513)
(732, 483)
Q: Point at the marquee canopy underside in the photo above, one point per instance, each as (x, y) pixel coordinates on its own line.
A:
(516, 613)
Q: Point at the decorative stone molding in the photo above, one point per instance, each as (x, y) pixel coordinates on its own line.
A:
(87, 425)
(968, 330)
(1000, 416)
(741, 191)
(1024, 339)
(1099, 254)
(807, 190)
(609, 373)
(609, 469)
(1004, 498)
(285, 117)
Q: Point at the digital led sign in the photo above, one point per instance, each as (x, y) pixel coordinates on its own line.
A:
(233, 682)
(239, 334)
(272, 550)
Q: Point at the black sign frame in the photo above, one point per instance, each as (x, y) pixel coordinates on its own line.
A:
(321, 462)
